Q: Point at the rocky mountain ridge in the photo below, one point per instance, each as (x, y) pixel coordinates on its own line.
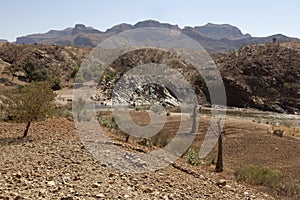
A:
(212, 37)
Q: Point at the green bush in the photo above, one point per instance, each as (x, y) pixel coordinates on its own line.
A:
(199, 80)
(108, 123)
(257, 175)
(192, 157)
(57, 85)
(74, 73)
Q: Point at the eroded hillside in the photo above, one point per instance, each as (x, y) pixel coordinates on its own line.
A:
(259, 76)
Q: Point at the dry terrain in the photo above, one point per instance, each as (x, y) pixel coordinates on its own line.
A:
(52, 163)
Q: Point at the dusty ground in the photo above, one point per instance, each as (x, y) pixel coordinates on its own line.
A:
(53, 164)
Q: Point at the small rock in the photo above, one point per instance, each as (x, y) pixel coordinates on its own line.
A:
(230, 188)
(148, 190)
(42, 193)
(66, 198)
(18, 175)
(126, 196)
(100, 195)
(19, 197)
(246, 193)
(51, 183)
(96, 185)
(221, 183)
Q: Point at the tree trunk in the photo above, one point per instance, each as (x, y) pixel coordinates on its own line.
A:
(219, 164)
(26, 129)
(195, 115)
(127, 138)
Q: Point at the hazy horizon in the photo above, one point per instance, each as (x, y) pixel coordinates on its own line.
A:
(257, 18)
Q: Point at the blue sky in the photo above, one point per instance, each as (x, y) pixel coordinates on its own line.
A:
(259, 18)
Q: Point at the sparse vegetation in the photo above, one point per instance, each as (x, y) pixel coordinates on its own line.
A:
(192, 157)
(106, 122)
(74, 72)
(78, 107)
(33, 102)
(258, 175)
(57, 85)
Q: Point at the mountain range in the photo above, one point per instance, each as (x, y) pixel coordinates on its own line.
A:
(213, 37)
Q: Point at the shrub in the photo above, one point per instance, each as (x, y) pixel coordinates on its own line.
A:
(257, 175)
(108, 123)
(199, 80)
(56, 84)
(74, 73)
(192, 157)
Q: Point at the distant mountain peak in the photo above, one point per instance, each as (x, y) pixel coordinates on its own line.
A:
(119, 28)
(221, 31)
(81, 28)
(153, 23)
(213, 37)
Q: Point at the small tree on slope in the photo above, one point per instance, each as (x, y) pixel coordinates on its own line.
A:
(30, 103)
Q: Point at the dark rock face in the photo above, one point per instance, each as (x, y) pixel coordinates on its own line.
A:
(83, 42)
(263, 76)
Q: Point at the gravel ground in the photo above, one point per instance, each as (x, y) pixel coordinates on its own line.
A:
(52, 163)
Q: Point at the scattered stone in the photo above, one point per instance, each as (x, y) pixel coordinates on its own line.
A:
(51, 183)
(221, 183)
(148, 190)
(66, 198)
(246, 193)
(278, 132)
(100, 195)
(96, 185)
(18, 175)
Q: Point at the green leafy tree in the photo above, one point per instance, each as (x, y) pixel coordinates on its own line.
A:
(30, 103)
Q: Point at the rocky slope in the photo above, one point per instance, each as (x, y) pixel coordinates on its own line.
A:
(53, 164)
(50, 61)
(212, 37)
(263, 76)
(259, 76)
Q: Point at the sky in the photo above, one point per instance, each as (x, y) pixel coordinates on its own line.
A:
(259, 18)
